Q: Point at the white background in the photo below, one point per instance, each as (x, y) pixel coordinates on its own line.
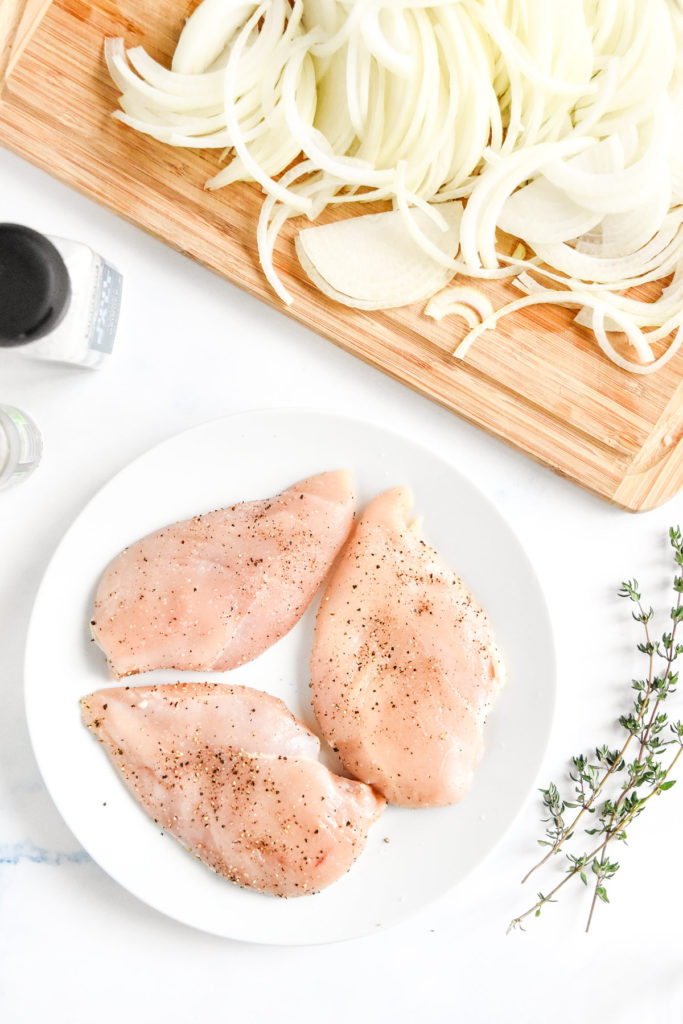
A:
(74, 947)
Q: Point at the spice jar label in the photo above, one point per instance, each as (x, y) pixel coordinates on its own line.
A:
(107, 308)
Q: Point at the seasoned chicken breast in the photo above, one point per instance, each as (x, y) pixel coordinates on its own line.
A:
(215, 591)
(234, 776)
(404, 665)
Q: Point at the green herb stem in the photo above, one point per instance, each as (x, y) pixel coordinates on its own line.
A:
(586, 805)
(597, 852)
(621, 802)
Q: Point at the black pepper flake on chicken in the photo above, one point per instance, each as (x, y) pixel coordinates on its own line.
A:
(252, 800)
(214, 591)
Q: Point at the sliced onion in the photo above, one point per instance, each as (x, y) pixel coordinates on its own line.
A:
(459, 309)
(267, 183)
(370, 263)
(207, 32)
(541, 212)
(558, 123)
(618, 269)
(612, 192)
(567, 298)
(453, 299)
(489, 195)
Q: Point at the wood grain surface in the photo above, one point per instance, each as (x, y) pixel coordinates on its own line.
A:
(538, 381)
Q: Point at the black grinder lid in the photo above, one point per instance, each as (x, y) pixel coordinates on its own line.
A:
(34, 285)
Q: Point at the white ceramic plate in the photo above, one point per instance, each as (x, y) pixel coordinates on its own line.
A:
(254, 455)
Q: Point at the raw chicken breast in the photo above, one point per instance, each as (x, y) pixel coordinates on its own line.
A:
(233, 775)
(404, 664)
(214, 591)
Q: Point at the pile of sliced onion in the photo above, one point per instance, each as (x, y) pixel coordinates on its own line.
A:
(560, 124)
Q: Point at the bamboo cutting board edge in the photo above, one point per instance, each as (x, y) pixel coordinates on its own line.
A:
(636, 482)
(18, 21)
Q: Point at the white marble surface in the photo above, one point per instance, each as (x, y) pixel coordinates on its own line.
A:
(74, 947)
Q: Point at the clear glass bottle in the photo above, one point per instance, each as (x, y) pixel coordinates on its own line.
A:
(20, 446)
(59, 300)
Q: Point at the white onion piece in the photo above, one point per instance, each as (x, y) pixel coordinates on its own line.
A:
(612, 192)
(397, 60)
(489, 196)
(206, 87)
(514, 52)
(615, 270)
(676, 157)
(459, 309)
(562, 298)
(267, 230)
(370, 263)
(526, 283)
(586, 318)
(127, 81)
(267, 183)
(541, 212)
(207, 32)
(459, 295)
(599, 328)
(316, 147)
(172, 135)
(628, 233)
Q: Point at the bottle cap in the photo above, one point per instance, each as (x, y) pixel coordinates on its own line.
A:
(34, 285)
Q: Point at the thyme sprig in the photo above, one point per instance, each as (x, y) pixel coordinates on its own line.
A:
(613, 786)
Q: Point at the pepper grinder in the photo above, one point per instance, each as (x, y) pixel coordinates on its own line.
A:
(59, 300)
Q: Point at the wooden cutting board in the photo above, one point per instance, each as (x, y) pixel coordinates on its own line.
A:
(538, 381)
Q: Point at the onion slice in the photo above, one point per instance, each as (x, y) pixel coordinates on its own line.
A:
(370, 262)
(459, 298)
